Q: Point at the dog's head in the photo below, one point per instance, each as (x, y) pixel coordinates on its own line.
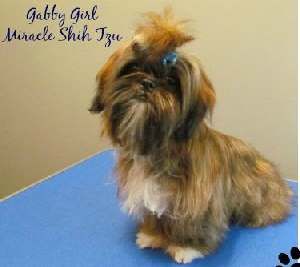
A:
(151, 93)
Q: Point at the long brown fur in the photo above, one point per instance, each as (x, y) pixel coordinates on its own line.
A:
(200, 180)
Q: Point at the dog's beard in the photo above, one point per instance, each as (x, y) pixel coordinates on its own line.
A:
(142, 121)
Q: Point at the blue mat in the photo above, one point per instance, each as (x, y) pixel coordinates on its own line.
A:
(74, 219)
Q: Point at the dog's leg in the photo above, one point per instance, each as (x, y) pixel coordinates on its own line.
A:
(193, 239)
(149, 235)
(263, 200)
(273, 209)
(184, 254)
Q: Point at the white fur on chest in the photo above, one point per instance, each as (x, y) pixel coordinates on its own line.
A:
(143, 193)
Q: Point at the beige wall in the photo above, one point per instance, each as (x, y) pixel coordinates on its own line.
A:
(248, 48)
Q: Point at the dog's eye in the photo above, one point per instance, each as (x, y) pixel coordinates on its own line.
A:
(129, 68)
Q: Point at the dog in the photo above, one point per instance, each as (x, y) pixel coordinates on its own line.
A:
(184, 181)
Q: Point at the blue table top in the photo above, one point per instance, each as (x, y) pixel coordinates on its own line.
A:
(74, 219)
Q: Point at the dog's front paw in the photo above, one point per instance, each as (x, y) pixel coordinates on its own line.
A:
(144, 240)
(184, 254)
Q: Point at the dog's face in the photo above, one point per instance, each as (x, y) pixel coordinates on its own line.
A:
(150, 94)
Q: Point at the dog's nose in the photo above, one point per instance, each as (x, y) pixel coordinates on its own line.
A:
(148, 84)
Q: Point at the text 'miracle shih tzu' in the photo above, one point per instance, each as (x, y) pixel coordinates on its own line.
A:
(183, 181)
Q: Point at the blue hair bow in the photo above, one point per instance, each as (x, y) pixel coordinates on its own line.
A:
(169, 59)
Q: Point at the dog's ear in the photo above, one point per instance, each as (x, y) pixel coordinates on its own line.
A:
(207, 93)
(96, 106)
(103, 77)
(97, 103)
(201, 104)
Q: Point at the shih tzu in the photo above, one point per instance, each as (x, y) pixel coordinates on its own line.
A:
(184, 181)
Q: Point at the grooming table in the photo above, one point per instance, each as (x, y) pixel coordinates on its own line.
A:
(74, 219)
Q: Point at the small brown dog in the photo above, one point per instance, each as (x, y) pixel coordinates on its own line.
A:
(184, 181)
